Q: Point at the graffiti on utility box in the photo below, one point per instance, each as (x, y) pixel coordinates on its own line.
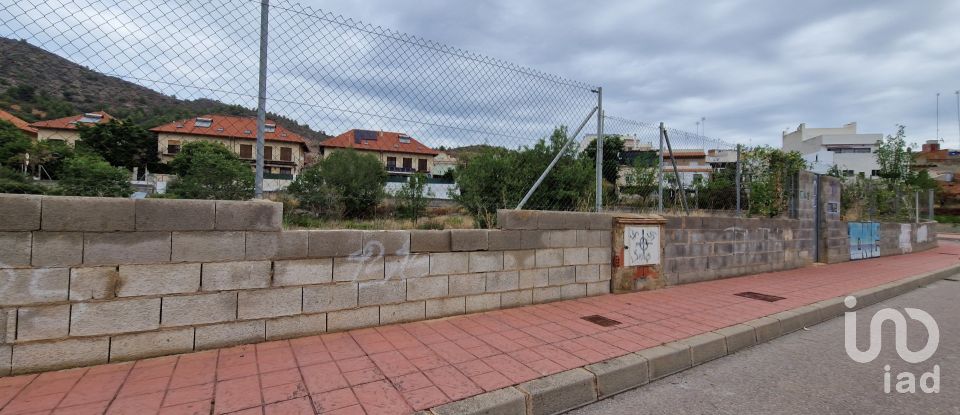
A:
(864, 239)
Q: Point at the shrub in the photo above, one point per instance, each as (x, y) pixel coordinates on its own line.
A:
(90, 175)
(14, 182)
(208, 170)
(122, 144)
(357, 179)
(314, 195)
(412, 198)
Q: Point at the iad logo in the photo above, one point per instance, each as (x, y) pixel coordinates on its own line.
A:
(906, 381)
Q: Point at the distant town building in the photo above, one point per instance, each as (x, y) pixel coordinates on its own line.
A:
(65, 129)
(850, 151)
(941, 164)
(283, 151)
(19, 123)
(692, 165)
(443, 163)
(399, 153)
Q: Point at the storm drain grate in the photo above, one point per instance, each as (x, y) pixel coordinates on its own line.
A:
(601, 320)
(758, 296)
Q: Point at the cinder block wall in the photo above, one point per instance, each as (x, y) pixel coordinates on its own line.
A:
(86, 281)
(904, 238)
(709, 248)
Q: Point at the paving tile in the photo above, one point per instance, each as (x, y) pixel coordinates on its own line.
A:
(381, 398)
(333, 400)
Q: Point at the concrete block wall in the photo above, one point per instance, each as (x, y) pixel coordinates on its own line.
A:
(904, 238)
(709, 248)
(86, 281)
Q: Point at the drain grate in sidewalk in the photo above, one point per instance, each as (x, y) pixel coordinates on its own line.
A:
(601, 320)
(762, 297)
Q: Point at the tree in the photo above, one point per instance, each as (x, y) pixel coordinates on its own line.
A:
(356, 178)
(484, 184)
(642, 179)
(770, 174)
(122, 144)
(314, 195)
(208, 170)
(613, 156)
(894, 157)
(13, 144)
(90, 175)
(412, 198)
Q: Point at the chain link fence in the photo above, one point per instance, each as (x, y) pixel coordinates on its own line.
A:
(488, 134)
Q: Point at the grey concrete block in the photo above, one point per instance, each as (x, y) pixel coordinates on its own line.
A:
(482, 302)
(620, 374)
(229, 334)
(449, 263)
(386, 242)
(382, 292)
(43, 322)
(501, 240)
(601, 221)
(517, 219)
(600, 256)
(559, 392)
(516, 298)
(139, 280)
(767, 328)
(706, 347)
(188, 310)
(302, 272)
(44, 356)
(430, 241)
(534, 239)
(353, 319)
(93, 283)
(118, 316)
(19, 212)
(427, 287)
(469, 239)
(33, 286)
(571, 291)
(15, 248)
(576, 256)
(143, 345)
(594, 239)
(507, 401)
(519, 260)
(667, 359)
(561, 239)
(92, 214)
(485, 261)
(467, 284)
(549, 258)
(126, 248)
(598, 288)
(274, 302)
(276, 245)
(175, 215)
(296, 326)
(443, 307)
(401, 313)
(530, 278)
(562, 275)
(588, 273)
(329, 297)
(208, 246)
(323, 244)
(738, 337)
(255, 215)
(407, 266)
(358, 269)
(790, 321)
(502, 281)
(220, 276)
(547, 294)
(57, 249)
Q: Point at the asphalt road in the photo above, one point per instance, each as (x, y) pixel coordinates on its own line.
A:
(809, 372)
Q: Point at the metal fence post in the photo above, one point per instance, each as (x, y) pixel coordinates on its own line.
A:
(738, 180)
(660, 174)
(262, 97)
(930, 204)
(599, 148)
(916, 204)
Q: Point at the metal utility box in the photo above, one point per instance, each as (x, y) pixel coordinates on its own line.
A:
(637, 252)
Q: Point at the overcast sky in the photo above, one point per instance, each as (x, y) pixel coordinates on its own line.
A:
(752, 68)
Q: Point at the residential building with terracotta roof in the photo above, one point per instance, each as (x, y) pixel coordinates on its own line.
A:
(399, 153)
(284, 151)
(65, 129)
(19, 123)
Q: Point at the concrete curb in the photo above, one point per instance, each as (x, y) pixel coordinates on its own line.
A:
(575, 388)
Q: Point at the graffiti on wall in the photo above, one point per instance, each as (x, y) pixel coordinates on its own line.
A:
(864, 239)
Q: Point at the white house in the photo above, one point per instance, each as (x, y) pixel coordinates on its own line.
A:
(851, 152)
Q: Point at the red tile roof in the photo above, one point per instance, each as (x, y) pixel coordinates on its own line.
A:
(17, 122)
(68, 123)
(378, 141)
(230, 126)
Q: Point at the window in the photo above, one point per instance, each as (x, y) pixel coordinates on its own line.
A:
(90, 118)
(407, 163)
(404, 139)
(267, 153)
(874, 173)
(848, 173)
(422, 165)
(173, 146)
(203, 122)
(246, 151)
(391, 162)
(286, 154)
(286, 170)
(269, 128)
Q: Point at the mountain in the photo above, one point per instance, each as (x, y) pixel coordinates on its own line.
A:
(38, 85)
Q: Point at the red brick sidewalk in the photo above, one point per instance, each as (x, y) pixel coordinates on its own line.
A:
(401, 368)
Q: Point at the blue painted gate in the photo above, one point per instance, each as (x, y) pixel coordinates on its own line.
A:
(864, 239)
